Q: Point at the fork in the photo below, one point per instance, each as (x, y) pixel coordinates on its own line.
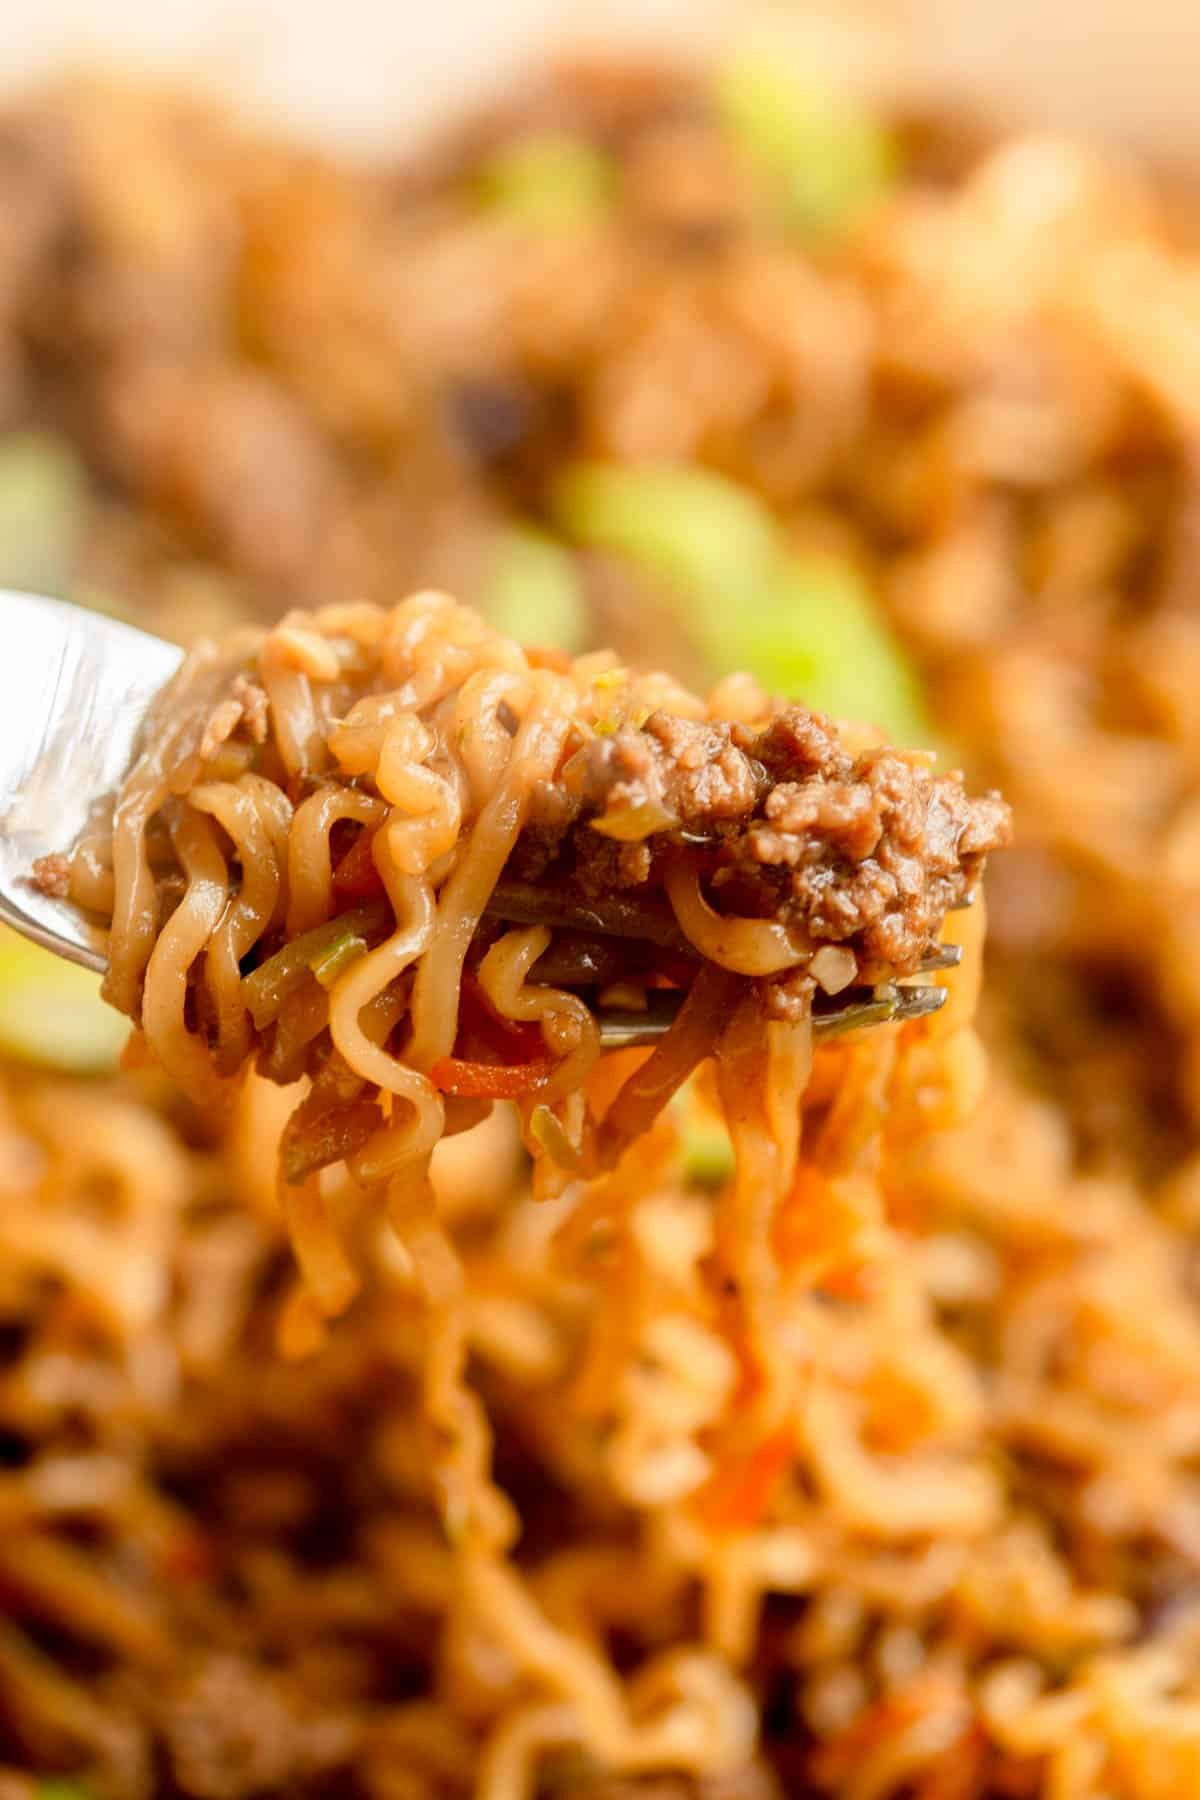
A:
(73, 693)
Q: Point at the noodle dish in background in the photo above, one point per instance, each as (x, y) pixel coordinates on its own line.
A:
(404, 1396)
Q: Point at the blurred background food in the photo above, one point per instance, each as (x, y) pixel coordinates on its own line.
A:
(806, 364)
(386, 75)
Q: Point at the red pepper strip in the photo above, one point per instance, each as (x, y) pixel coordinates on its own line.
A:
(490, 1081)
(738, 1497)
(501, 1059)
(356, 876)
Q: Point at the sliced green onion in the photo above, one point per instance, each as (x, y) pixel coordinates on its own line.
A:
(43, 490)
(552, 178)
(823, 639)
(707, 1148)
(687, 525)
(62, 1787)
(265, 988)
(51, 1013)
(547, 1130)
(626, 710)
(707, 1155)
(332, 958)
(533, 591)
(827, 157)
(806, 626)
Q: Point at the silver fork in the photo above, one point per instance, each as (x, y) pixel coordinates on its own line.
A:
(74, 689)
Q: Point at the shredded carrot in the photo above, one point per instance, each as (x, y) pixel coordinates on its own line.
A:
(738, 1496)
(495, 1058)
(961, 1771)
(822, 1229)
(851, 1281)
(608, 1076)
(886, 1719)
(490, 1081)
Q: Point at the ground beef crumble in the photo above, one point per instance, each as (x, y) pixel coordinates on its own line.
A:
(870, 851)
(247, 708)
(52, 874)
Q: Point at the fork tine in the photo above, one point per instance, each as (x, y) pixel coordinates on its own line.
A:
(885, 1005)
(942, 956)
(889, 1005)
(629, 1030)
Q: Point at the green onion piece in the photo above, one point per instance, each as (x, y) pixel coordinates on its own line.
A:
(43, 490)
(551, 178)
(330, 960)
(547, 1130)
(807, 626)
(829, 160)
(533, 592)
(707, 1155)
(51, 1013)
(687, 525)
(819, 636)
(62, 1787)
(634, 715)
(267, 987)
(707, 1148)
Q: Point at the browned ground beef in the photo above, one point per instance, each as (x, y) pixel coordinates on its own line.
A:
(870, 851)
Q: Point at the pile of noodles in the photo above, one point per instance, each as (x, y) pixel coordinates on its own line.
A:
(390, 1560)
(968, 1565)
